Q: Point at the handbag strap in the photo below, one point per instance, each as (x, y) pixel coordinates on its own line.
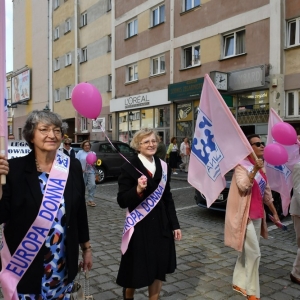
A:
(86, 286)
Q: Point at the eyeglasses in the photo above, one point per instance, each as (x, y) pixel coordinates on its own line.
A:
(147, 143)
(46, 131)
(258, 144)
(67, 144)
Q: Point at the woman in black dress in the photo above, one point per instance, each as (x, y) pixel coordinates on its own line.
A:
(151, 249)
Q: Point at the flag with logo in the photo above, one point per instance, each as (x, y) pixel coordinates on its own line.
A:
(218, 145)
(3, 96)
(280, 177)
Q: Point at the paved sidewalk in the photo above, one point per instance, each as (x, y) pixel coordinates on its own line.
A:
(205, 265)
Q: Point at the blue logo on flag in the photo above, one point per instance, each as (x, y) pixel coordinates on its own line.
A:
(205, 148)
(283, 169)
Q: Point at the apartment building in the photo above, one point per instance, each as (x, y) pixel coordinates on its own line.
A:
(81, 52)
(30, 77)
(166, 47)
(291, 109)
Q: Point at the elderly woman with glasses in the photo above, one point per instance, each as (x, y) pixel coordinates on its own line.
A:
(151, 223)
(67, 149)
(245, 219)
(42, 207)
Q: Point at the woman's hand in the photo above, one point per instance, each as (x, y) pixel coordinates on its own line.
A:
(177, 234)
(259, 164)
(87, 260)
(142, 184)
(4, 168)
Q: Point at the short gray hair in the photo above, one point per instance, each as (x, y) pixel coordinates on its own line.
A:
(139, 135)
(41, 116)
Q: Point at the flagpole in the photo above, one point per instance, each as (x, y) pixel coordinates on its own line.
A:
(3, 103)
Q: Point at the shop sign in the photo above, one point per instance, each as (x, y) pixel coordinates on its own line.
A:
(136, 101)
(247, 78)
(185, 90)
(139, 101)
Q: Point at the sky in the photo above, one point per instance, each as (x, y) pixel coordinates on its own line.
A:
(9, 35)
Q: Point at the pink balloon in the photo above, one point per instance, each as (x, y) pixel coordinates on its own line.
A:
(275, 154)
(91, 158)
(284, 133)
(87, 100)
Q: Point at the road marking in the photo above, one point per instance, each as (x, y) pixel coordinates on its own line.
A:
(108, 184)
(186, 207)
(272, 227)
(187, 187)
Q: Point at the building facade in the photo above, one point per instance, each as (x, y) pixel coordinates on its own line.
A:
(30, 77)
(81, 52)
(166, 47)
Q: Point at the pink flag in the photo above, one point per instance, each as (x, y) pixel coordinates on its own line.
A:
(3, 99)
(280, 177)
(218, 146)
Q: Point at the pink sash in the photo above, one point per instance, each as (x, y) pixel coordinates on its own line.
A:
(141, 211)
(15, 266)
(258, 178)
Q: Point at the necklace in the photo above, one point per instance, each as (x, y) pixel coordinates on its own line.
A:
(38, 166)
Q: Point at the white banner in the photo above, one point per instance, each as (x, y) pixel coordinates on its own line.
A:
(17, 148)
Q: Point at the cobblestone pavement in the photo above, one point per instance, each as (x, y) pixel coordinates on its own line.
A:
(205, 265)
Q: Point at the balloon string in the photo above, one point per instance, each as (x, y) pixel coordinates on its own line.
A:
(119, 151)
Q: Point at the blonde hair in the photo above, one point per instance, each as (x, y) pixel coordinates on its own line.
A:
(141, 134)
(67, 140)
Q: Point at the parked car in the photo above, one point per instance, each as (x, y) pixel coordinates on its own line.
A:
(221, 202)
(76, 146)
(109, 161)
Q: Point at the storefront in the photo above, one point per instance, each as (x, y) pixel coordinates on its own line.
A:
(247, 97)
(151, 110)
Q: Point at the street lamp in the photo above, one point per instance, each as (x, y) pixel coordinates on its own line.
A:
(130, 115)
(46, 108)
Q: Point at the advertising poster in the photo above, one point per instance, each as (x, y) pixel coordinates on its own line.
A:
(97, 124)
(20, 87)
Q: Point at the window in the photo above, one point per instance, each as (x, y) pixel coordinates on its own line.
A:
(68, 59)
(84, 124)
(56, 4)
(68, 92)
(56, 95)
(108, 5)
(293, 104)
(293, 34)
(131, 28)
(109, 83)
(189, 4)
(68, 25)
(158, 15)
(234, 43)
(8, 93)
(56, 64)
(110, 122)
(132, 72)
(56, 33)
(20, 133)
(109, 44)
(191, 56)
(158, 65)
(83, 19)
(83, 55)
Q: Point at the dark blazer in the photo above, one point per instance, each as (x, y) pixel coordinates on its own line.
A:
(19, 207)
(72, 153)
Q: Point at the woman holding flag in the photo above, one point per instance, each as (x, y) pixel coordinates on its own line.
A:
(245, 219)
(151, 224)
(44, 215)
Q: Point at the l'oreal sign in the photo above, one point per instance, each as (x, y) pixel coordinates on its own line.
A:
(136, 101)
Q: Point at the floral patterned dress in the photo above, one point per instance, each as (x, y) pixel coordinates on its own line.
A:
(54, 282)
